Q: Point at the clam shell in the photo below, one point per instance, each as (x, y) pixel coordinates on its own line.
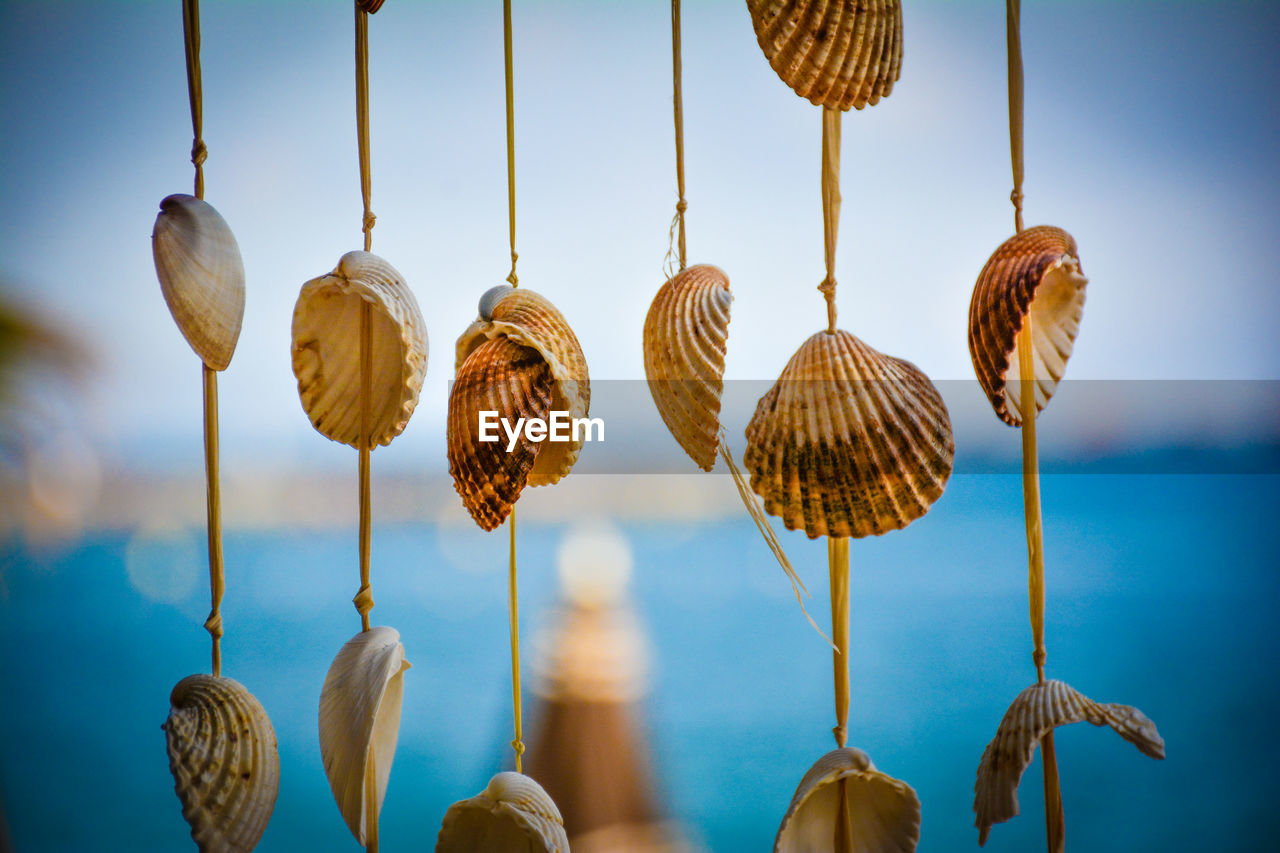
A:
(513, 814)
(849, 441)
(222, 753)
(1036, 272)
(684, 346)
(201, 275)
(1038, 710)
(837, 54)
(360, 723)
(883, 812)
(326, 349)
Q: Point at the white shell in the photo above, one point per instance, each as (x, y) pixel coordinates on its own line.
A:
(360, 723)
(513, 814)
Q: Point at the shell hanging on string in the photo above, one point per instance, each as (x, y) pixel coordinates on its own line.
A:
(849, 441)
(513, 814)
(370, 6)
(834, 53)
(326, 349)
(201, 275)
(222, 753)
(360, 723)
(684, 347)
(1037, 273)
(883, 813)
(1037, 711)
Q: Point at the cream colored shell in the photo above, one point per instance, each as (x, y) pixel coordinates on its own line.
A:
(883, 812)
(360, 724)
(1036, 272)
(326, 349)
(201, 275)
(849, 441)
(1037, 711)
(222, 753)
(513, 814)
(684, 347)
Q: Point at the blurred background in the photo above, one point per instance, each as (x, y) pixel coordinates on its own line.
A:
(1151, 134)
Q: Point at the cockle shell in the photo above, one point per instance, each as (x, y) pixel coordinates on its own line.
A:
(201, 275)
(684, 347)
(222, 753)
(1038, 710)
(836, 53)
(1035, 272)
(360, 723)
(883, 812)
(326, 349)
(849, 441)
(513, 814)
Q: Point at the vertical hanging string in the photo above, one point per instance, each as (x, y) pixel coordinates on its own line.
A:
(838, 568)
(214, 506)
(364, 597)
(511, 139)
(362, 122)
(676, 233)
(513, 610)
(1013, 14)
(830, 208)
(191, 34)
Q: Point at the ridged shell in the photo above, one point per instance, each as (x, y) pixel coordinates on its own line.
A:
(360, 723)
(513, 814)
(883, 812)
(836, 53)
(326, 349)
(849, 441)
(370, 6)
(222, 753)
(684, 346)
(201, 275)
(1038, 710)
(1036, 272)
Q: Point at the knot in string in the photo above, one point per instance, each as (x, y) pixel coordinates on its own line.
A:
(214, 625)
(199, 153)
(512, 278)
(363, 600)
(828, 290)
(682, 206)
(369, 221)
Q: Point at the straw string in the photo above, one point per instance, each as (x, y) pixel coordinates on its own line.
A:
(362, 123)
(217, 582)
(511, 139)
(513, 610)
(191, 39)
(677, 223)
(830, 207)
(364, 597)
(838, 568)
(1013, 14)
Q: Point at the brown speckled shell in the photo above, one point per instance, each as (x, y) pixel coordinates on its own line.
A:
(835, 53)
(684, 346)
(1036, 272)
(849, 441)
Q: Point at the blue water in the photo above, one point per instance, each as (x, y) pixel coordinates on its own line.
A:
(1162, 593)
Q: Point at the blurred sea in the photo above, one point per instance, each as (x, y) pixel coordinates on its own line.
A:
(1162, 593)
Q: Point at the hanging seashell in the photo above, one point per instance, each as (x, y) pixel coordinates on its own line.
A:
(684, 346)
(201, 275)
(326, 349)
(849, 441)
(370, 6)
(360, 723)
(834, 53)
(513, 814)
(222, 753)
(1037, 711)
(1035, 272)
(883, 813)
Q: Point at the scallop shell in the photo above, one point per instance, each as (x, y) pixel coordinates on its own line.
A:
(849, 441)
(684, 346)
(222, 753)
(883, 812)
(1037, 711)
(837, 54)
(1036, 271)
(513, 814)
(326, 349)
(360, 723)
(201, 275)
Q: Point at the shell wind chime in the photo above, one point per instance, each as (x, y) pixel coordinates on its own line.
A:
(849, 442)
(1023, 319)
(359, 352)
(222, 748)
(519, 359)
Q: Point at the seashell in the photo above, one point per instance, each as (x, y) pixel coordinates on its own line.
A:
(326, 349)
(201, 275)
(1035, 272)
(849, 441)
(222, 753)
(834, 53)
(513, 814)
(1038, 710)
(370, 6)
(883, 812)
(360, 723)
(684, 346)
